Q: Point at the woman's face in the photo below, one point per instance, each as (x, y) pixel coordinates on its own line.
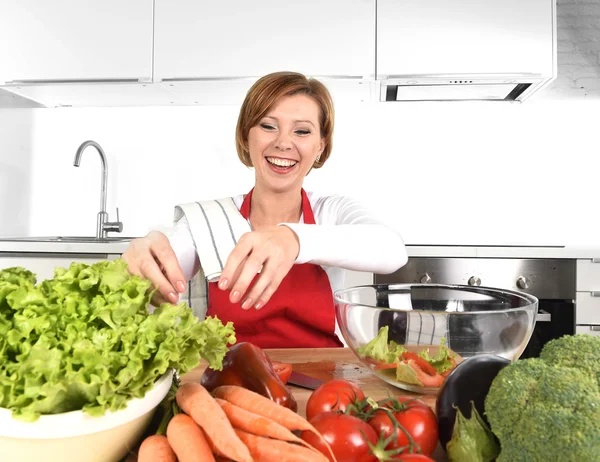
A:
(286, 142)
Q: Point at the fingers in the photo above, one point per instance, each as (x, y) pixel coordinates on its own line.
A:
(266, 285)
(152, 258)
(274, 250)
(158, 299)
(236, 262)
(250, 269)
(165, 255)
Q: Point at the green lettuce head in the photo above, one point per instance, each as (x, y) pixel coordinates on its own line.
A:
(86, 340)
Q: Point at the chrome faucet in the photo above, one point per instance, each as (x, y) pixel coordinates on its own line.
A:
(103, 226)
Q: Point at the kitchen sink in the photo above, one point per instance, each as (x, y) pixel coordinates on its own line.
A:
(68, 239)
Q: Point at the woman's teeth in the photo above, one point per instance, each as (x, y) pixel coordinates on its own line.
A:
(281, 162)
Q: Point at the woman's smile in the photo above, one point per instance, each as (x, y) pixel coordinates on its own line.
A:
(281, 165)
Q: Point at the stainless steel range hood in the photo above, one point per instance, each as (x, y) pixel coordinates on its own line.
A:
(435, 50)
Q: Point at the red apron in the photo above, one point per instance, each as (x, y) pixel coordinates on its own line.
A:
(300, 313)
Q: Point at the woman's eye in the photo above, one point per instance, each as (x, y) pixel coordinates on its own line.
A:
(303, 132)
(267, 127)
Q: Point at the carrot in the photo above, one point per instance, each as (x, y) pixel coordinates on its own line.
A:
(187, 440)
(156, 448)
(244, 420)
(196, 402)
(270, 450)
(258, 404)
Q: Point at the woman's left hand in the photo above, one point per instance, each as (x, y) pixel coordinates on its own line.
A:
(273, 249)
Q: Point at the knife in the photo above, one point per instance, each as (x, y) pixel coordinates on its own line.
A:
(304, 381)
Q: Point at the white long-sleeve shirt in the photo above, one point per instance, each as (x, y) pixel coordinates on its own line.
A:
(347, 237)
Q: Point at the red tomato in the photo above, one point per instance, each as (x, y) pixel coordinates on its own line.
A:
(345, 434)
(334, 395)
(417, 418)
(424, 365)
(413, 458)
(384, 365)
(283, 370)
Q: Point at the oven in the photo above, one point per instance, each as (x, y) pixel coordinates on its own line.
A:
(552, 281)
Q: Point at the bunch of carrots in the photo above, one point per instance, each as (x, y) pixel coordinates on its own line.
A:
(232, 424)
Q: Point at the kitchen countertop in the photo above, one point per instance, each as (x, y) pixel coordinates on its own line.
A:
(44, 246)
(449, 251)
(569, 251)
(327, 364)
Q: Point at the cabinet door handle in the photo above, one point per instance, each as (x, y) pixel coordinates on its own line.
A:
(250, 78)
(595, 328)
(594, 294)
(72, 81)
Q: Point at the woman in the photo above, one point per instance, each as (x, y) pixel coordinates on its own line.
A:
(277, 284)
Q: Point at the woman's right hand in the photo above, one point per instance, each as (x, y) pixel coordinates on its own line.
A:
(153, 258)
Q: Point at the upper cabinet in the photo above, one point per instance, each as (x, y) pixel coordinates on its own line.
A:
(238, 38)
(75, 40)
(470, 37)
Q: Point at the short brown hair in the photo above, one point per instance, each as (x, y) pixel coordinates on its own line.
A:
(266, 92)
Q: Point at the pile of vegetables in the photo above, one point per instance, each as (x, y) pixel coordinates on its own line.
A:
(360, 429)
(342, 424)
(542, 409)
(86, 340)
(232, 423)
(420, 368)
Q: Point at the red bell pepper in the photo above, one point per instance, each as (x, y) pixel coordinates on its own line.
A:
(247, 365)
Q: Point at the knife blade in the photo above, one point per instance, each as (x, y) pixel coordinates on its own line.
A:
(304, 381)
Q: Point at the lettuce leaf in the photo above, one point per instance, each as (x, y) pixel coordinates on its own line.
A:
(380, 349)
(85, 340)
(441, 361)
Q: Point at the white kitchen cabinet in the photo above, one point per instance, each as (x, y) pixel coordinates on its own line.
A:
(450, 37)
(588, 275)
(592, 330)
(237, 38)
(588, 308)
(75, 40)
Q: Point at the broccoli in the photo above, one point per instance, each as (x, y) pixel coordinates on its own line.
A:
(548, 408)
(580, 351)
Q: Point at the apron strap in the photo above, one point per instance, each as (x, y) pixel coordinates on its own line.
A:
(307, 213)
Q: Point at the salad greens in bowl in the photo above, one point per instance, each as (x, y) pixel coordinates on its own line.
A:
(86, 341)
(414, 335)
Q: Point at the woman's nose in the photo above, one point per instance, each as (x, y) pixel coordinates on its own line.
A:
(283, 142)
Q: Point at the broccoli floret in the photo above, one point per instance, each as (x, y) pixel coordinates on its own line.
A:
(541, 411)
(581, 351)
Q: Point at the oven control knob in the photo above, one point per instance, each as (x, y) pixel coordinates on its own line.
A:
(522, 283)
(425, 279)
(474, 281)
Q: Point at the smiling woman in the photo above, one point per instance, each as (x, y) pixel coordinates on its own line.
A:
(277, 283)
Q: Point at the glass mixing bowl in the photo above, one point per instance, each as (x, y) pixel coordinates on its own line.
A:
(419, 318)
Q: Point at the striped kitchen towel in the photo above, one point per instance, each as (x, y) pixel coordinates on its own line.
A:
(216, 226)
(426, 328)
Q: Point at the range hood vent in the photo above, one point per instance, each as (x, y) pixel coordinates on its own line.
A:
(458, 89)
(466, 50)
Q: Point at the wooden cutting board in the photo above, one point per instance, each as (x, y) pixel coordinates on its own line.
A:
(327, 364)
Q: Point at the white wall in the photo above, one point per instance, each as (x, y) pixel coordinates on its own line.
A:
(16, 171)
(442, 172)
(449, 172)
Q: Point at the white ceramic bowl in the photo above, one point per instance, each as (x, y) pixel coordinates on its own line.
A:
(78, 437)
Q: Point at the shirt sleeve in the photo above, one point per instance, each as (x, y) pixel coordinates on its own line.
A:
(183, 245)
(348, 236)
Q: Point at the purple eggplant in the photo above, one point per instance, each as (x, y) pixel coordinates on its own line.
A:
(469, 381)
